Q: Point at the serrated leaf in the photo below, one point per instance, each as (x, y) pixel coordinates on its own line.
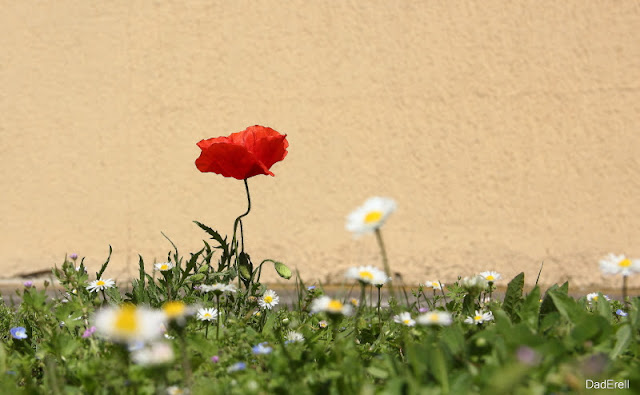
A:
(513, 297)
(104, 265)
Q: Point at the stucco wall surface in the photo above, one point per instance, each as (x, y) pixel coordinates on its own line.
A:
(507, 132)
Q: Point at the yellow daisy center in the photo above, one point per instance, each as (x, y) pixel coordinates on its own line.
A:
(595, 298)
(433, 318)
(100, 283)
(207, 315)
(406, 322)
(366, 275)
(625, 263)
(373, 216)
(126, 319)
(477, 318)
(268, 299)
(174, 309)
(435, 285)
(335, 305)
(164, 266)
(490, 278)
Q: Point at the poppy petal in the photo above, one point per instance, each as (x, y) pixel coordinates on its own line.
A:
(230, 160)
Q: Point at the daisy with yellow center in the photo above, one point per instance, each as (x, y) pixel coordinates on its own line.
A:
(129, 323)
(164, 266)
(441, 318)
(404, 319)
(99, 285)
(268, 299)
(329, 305)
(370, 216)
(436, 285)
(619, 264)
(594, 296)
(367, 275)
(491, 276)
(176, 310)
(479, 318)
(207, 314)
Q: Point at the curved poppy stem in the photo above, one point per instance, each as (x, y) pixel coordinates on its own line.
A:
(235, 227)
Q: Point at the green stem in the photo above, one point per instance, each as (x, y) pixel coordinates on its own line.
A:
(235, 227)
(379, 317)
(385, 261)
(624, 292)
(218, 320)
(361, 301)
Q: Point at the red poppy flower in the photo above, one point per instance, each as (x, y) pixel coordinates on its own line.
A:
(244, 154)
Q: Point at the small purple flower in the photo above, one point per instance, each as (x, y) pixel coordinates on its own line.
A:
(18, 333)
(311, 287)
(28, 284)
(527, 355)
(621, 313)
(236, 367)
(73, 256)
(215, 359)
(89, 332)
(423, 309)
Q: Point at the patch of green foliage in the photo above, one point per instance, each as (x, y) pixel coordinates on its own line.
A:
(537, 343)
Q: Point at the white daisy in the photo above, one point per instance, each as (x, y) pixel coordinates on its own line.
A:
(437, 285)
(614, 264)
(207, 314)
(154, 354)
(164, 266)
(491, 276)
(129, 323)
(176, 310)
(479, 318)
(218, 288)
(370, 216)
(293, 337)
(329, 305)
(475, 283)
(323, 324)
(435, 318)
(268, 299)
(175, 390)
(99, 285)
(367, 274)
(404, 319)
(593, 297)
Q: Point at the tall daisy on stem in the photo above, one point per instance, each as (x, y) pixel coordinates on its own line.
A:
(369, 218)
(620, 264)
(366, 275)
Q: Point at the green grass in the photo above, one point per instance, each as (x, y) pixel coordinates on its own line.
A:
(540, 342)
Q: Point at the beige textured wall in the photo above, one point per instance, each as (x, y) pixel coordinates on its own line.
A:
(507, 132)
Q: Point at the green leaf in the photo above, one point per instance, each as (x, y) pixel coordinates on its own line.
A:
(623, 340)
(513, 297)
(439, 367)
(104, 265)
(531, 307)
(566, 305)
(377, 372)
(216, 236)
